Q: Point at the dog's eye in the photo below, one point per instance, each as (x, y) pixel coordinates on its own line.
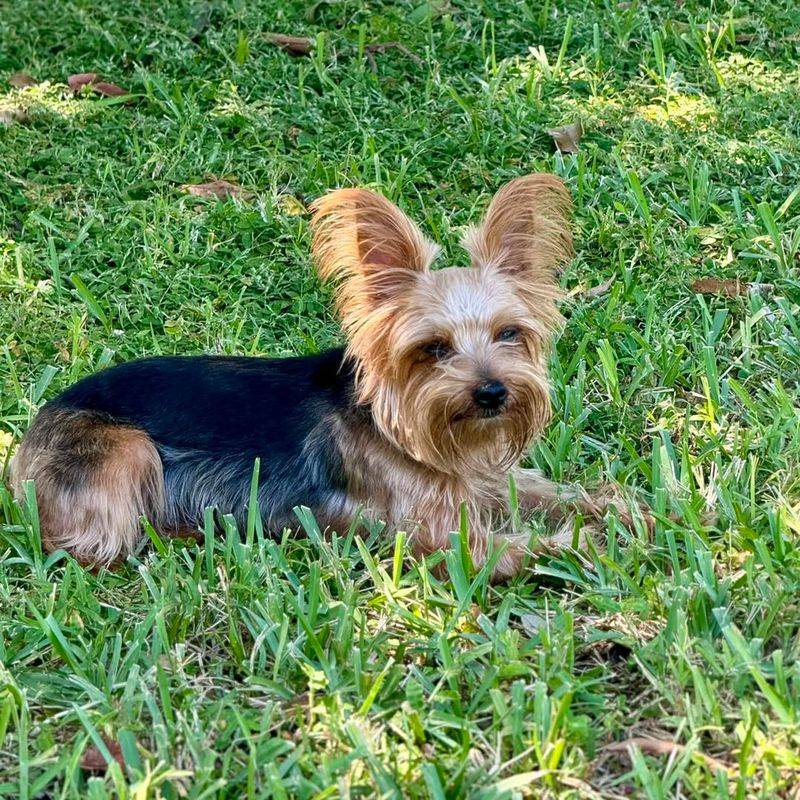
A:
(509, 334)
(438, 350)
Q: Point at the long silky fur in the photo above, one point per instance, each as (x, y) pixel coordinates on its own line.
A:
(376, 256)
(389, 427)
(371, 250)
(527, 235)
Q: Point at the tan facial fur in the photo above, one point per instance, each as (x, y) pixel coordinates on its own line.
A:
(396, 309)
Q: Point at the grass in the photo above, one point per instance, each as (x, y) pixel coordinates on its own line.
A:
(310, 668)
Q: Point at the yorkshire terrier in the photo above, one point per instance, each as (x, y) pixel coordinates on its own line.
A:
(439, 392)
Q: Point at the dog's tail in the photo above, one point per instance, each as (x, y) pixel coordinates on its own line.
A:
(94, 478)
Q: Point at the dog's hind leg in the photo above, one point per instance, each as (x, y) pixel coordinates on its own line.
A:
(94, 478)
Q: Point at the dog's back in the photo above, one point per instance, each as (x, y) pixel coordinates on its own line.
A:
(167, 437)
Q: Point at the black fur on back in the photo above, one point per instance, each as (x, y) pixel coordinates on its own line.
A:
(210, 417)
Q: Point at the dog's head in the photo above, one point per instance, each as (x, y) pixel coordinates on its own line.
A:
(451, 361)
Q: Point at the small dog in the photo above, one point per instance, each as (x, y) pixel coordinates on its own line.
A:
(442, 387)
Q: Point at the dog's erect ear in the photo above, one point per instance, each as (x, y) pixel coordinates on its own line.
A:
(526, 231)
(374, 253)
(367, 245)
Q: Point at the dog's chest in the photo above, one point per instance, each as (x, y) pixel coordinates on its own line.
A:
(404, 493)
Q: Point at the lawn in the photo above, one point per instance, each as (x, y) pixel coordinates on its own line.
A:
(244, 667)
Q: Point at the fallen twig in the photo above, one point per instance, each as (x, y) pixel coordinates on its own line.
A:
(382, 47)
(661, 747)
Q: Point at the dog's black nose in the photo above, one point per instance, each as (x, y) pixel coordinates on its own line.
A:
(490, 395)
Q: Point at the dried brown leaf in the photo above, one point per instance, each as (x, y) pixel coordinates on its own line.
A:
(94, 761)
(21, 80)
(661, 747)
(108, 89)
(568, 137)
(219, 189)
(594, 291)
(382, 47)
(79, 80)
(296, 45)
(532, 623)
(728, 287)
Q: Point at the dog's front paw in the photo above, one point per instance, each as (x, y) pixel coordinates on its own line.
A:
(633, 514)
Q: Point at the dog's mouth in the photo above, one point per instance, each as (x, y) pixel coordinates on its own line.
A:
(477, 414)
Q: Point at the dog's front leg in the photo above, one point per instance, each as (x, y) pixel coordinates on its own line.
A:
(535, 492)
(561, 501)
